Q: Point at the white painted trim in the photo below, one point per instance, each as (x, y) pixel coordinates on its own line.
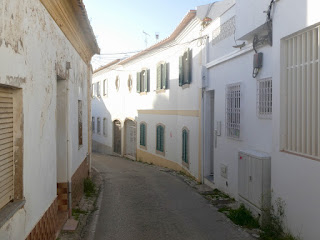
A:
(227, 57)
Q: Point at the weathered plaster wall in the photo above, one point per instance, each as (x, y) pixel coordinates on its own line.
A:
(33, 51)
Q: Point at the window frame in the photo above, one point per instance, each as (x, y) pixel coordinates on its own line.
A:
(105, 87)
(143, 86)
(99, 125)
(159, 150)
(233, 110)
(104, 127)
(93, 124)
(145, 135)
(264, 98)
(162, 77)
(98, 89)
(185, 147)
(185, 68)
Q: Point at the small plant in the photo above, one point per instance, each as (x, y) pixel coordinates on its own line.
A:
(89, 187)
(76, 213)
(243, 217)
(273, 228)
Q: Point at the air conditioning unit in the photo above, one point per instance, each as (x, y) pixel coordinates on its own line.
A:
(254, 181)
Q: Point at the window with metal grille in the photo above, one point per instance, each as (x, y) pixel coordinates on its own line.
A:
(143, 134)
(162, 76)
(185, 146)
(264, 98)
(160, 139)
(143, 81)
(185, 68)
(105, 126)
(105, 87)
(79, 122)
(233, 97)
(93, 124)
(301, 88)
(98, 126)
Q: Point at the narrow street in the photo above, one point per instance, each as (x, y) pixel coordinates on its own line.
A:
(142, 202)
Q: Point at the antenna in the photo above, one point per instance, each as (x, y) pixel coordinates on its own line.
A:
(157, 36)
(146, 38)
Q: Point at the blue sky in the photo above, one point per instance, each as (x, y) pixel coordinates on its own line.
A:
(119, 25)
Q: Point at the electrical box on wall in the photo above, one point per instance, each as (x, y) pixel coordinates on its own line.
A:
(257, 60)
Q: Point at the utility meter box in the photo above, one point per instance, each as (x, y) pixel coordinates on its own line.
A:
(254, 181)
(257, 60)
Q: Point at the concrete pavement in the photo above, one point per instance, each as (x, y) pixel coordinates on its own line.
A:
(140, 202)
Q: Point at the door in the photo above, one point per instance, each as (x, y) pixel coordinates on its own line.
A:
(117, 137)
(210, 135)
(131, 136)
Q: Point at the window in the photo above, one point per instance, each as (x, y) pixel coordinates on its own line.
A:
(160, 139)
(93, 124)
(162, 75)
(300, 86)
(143, 79)
(98, 126)
(80, 122)
(185, 146)
(105, 87)
(143, 134)
(98, 89)
(264, 98)
(105, 127)
(130, 83)
(233, 110)
(117, 83)
(93, 89)
(185, 68)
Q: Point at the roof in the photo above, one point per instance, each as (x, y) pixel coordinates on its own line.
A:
(185, 21)
(71, 17)
(106, 66)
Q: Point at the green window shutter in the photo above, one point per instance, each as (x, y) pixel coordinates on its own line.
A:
(162, 139)
(148, 80)
(164, 76)
(186, 147)
(158, 138)
(159, 76)
(189, 56)
(181, 75)
(141, 133)
(145, 81)
(183, 138)
(138, 82)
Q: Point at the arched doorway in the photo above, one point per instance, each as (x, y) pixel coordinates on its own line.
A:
(117, 136)
(130, 139)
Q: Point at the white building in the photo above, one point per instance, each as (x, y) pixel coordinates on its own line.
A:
(251, 111)
(45, 134)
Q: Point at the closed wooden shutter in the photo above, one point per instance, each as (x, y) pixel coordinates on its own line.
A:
(6, 146)
(164, 76)
(159, 76)
(138, 82)
(189, 57)
(158, 138)
(161, 139)
(181, 75)
(142, 135)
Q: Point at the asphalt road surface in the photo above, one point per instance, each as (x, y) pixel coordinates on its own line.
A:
(141, 202)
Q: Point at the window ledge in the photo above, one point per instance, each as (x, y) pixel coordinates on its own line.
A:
(161, 90)
(143, 147)
(143, 93)
(9, 210)
(186, 85)
(160, 153)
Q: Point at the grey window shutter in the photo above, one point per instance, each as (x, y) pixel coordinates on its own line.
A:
(158, 138)
(189, 56)
(159, 76)
(183, 156)
(145, 81)
(181, 75)
(138, 82)
(162, 139)
(186, 147)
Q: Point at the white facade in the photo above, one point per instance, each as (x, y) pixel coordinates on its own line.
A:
(34, 53)
(175, 108)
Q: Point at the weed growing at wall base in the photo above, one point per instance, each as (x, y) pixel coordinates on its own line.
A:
(89, 187)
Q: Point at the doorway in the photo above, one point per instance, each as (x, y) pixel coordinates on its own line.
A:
(131, 139)
(117, 136)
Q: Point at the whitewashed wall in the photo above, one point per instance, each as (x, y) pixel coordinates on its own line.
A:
(29, 54)
(123, 104)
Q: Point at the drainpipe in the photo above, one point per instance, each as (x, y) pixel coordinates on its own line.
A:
(69, 157)
(205, 81)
